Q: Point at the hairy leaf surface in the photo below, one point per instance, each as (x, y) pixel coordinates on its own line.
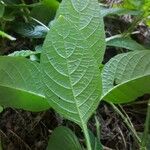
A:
(20, 84)
(126, 77)
(85, 15)
(71, 73)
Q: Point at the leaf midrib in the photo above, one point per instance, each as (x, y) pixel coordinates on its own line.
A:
(22, 90)
(82, 122)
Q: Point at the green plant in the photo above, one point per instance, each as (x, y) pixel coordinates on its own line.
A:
(68, 77)
(70, 56)
(142, 6)
(79, 42)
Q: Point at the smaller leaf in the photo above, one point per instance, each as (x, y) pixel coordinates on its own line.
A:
(31, 30)
(140, 134)
(2, 9)
(53, 4)
(63, 138)
(133, 4)
(126, 77)
(20, 84)
(1, 109)
(10, 2)
(118, 11)
(126, 43)
(23, 53)
(95, 143)
(43, 13)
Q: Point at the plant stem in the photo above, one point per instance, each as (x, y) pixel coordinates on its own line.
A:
(127, 121)
(98, 126)
(87, 137)
(26, 11)
(119, 36)
(133, 25)
(145, 139)
(40, 23)
(3, 34)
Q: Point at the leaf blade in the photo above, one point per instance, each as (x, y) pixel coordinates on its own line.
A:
(19, 80)
(126, 77)
(63, 136)
(86, 16)
(126, 43)
(71, 73)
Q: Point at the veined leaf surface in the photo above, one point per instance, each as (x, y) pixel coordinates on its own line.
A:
(20, 84)
(71, 73)
(85, 15)
(126, 77)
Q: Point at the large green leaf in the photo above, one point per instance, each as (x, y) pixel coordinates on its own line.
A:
(21, 85)
(71, 73)
(85, 15)
(126, 77)
(63, 138)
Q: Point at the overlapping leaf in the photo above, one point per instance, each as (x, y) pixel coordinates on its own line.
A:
(126, 43)
(95, 143)
(126, 77)
(24, 53)
(71, 74)
(85, 15)
(63, 138)
(30, 30)
(20, 84)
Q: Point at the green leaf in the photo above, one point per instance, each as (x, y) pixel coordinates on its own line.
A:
(24, 53)
(95, 143)
(140, 134)
(1, 109)
(71, 73)
(20, 84)
(85, 15)
(126, 77)
(118, 11)
(43, 13)
(2, 9)
(63, 138)
(126, 43)
(11, 2)
(133, 4)
(53, 4)
(31, 30)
